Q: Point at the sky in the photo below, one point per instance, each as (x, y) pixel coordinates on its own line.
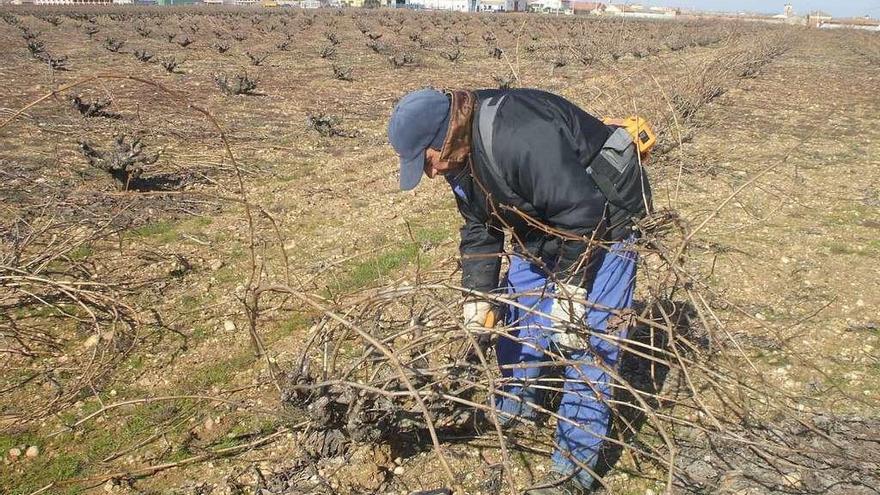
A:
(837, 8)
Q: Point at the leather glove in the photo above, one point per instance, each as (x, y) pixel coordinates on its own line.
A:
(474, 314)
(569, 306)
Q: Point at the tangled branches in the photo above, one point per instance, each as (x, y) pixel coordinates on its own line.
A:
(95, 108)
(125, 162)
(328, 126)
(395, 363)
(239, 84)
(45, 277)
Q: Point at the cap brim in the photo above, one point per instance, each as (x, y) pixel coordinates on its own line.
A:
(411, 171)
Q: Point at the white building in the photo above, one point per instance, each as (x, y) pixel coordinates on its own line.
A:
(502, 6)
(63, 2)
(549, 5)
(455, 5)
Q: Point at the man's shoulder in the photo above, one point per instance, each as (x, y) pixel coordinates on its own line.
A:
(530, 95)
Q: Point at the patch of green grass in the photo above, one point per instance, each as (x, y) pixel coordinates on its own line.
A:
(432, 235)
(162, 232)
(167, 232)
(845, 248)
(854, 215)
(136, 362)
(26, 475)
(391, 260)
(226, 275)
(200, 332)
(102, 442)
(81, 253)
(189, 303)
(43, 311)
(71, 415)
(201, 221)
(10, 440)
(298, 171)
(245, 429)
(296, 321)
(377, 267)
(219, 372)
(178, 454)
(39, 472)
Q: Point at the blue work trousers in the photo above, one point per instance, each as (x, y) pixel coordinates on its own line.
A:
(584, 382)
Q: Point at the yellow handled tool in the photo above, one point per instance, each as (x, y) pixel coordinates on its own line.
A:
(640, 130)
(490, 319)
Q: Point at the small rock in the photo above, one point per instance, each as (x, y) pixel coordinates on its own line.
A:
(90, 342)
(229, 325)
(701, 472)
(216, 265)
(209, 424)
(14, 453)
(398, 470)
(32, 451)
(792, 480)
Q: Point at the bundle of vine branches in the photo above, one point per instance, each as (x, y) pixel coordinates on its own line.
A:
(395, 362)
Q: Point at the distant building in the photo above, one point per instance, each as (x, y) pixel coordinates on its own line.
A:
(590, 8)
(454, 5)
(816, 18)
(62, 2)
(863, 23)
(502, 6)
(637, 10)
(787, 16)
(551, 6)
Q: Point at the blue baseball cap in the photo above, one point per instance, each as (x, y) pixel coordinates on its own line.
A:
(419, 121)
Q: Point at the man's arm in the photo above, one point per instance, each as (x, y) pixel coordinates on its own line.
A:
(480, 248)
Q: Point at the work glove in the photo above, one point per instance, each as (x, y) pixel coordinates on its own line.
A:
(568, 313)
(474, 314)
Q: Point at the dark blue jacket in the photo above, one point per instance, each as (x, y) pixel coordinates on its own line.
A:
(542, 145)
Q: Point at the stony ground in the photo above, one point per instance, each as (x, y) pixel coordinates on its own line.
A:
(797, 254)
(792, 256)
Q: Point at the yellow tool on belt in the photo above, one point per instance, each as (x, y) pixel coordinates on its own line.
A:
(640, 130)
